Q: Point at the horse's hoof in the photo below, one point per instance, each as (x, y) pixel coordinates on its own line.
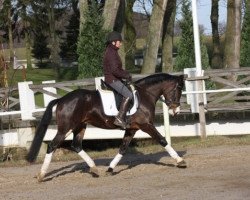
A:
(110, 172)
(40, 177)
(94, 172)
(182, 164)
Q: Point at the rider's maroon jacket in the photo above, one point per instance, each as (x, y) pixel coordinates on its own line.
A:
(112, 65)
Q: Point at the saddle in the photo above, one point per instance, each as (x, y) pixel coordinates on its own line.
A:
(111, 100)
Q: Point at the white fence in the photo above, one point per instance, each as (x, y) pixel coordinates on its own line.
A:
(20, 136)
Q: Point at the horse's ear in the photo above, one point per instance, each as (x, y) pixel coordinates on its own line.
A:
(183, 77)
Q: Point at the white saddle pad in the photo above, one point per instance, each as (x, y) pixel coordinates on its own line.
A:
(108, 100)
(109, 105)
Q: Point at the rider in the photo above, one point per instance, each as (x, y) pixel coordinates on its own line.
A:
(114, 73)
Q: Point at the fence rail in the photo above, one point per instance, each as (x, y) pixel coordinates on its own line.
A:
(224, 90)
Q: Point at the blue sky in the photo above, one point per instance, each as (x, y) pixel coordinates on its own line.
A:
(203, 12)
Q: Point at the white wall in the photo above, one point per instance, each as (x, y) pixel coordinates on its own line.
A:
(20, 137)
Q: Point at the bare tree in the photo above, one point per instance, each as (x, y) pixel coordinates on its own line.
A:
(83, 6)
(168, 34)
(222, 28)
(233, 35)
(1, 4)
(144, 6)
(154, 36)
(129, 35)
(109, 13)
(7, 17)
(216, 61)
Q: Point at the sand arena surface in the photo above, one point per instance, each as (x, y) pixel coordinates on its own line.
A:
(221, 172)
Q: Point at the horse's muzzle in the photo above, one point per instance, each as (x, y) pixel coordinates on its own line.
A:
(174, 111)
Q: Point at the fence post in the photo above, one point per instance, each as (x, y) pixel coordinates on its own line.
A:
(196, 101)
(48, 98)
(166, 123)
(27, 100)
(202, 116)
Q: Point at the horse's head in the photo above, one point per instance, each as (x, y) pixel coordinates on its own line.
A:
(172, 94)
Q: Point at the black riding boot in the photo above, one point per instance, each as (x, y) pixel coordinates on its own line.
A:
(120, 118)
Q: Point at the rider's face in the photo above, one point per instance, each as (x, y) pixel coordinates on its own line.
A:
(117, 44)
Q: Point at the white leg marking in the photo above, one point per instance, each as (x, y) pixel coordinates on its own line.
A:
(178, 110)
(115, 161)
(87, 159)
(173, 153)
(46, 163)
(68, 133)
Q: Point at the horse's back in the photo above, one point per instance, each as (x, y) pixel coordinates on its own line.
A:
(78, 94)
(78, 99)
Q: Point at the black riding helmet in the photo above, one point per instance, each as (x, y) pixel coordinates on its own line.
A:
(114, 36)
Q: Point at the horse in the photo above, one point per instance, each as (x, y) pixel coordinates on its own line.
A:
(81, 107)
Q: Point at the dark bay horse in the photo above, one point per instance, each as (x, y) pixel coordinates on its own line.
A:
(81, 107)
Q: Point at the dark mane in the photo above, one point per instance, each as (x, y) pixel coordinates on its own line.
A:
(155, 78)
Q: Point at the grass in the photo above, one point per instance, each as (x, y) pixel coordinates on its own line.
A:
(20, 53)
(35, 75)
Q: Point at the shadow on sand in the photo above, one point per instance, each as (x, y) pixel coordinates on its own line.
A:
(131, 160)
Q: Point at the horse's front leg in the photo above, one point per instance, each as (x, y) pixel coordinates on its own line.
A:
(152, 131)
(52, 146)
(77, 147)
(128, 136)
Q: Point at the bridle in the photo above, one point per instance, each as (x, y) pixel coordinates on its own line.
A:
(169, 102)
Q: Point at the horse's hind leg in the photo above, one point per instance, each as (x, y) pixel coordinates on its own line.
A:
(128, 136)
(48, 157)
(77, 147)
(152, 131)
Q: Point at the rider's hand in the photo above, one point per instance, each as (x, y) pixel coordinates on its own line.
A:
(129, 80)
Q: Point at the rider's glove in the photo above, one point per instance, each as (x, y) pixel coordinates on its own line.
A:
(129, 80)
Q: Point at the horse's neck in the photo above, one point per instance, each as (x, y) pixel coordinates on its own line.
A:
(153, 92)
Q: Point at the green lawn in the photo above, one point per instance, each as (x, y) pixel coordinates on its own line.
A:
(35, 75)
(20, 53)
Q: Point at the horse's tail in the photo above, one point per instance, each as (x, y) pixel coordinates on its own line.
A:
(40, 132)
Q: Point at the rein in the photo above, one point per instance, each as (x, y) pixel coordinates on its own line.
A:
(163, 100)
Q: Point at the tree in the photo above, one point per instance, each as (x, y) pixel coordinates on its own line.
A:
(83, 7)
(154, 36)
(204, 54)
(7, 24)
(3, 66)
(245, 39)
(129, 35)
(216, 60)
(120, 26)
(91, 43)
(22, 13)
(40, 48)
(186, 56)
(233, 35)
(69, 44)
(168, 34)
(109, 13)
(47, 15)
(55, 9)
(186, 52)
